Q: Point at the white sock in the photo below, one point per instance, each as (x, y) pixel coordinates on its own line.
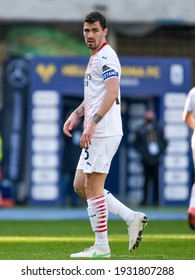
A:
(192, 197)
(98, 216)
(118, 208)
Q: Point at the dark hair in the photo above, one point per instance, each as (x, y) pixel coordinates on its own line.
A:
(96, 16)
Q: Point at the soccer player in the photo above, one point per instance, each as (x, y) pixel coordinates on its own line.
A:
(100, 140)
(189, 119)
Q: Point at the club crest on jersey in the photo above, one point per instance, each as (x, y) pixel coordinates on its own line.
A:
(88, 76)
(87, 79)
(109, 73)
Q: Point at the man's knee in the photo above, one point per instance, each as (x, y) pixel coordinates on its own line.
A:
(76, 187)
(79, 188)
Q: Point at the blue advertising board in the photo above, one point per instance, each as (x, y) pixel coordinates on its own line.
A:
(139, 75)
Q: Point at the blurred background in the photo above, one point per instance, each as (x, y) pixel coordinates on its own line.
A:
(42, 62)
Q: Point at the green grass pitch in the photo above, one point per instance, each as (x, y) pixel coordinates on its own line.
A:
(56, 240)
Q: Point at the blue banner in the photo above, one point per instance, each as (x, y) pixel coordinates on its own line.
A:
(139, 75)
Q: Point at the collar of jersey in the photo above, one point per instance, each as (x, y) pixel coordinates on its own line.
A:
(103, 45)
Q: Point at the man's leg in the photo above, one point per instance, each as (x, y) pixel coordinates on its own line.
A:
(192, 197)
(191, 209)
(79, 183)
(135, 221)
(97, 208)
(118, 208)
(97, 211)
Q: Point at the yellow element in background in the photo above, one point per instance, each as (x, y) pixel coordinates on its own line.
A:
(141, 71)
(113, 237)
(73, 70)
(46, 72)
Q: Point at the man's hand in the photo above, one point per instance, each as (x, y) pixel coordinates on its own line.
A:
(87, 135)
(69, 125)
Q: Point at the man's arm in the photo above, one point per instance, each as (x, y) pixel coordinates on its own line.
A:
(188, 118)
(110, 96)
(79, 111)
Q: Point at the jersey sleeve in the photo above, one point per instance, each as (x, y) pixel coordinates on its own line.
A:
(109, 67)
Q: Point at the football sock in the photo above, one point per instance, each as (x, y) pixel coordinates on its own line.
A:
(98, 216)
(118, 208)
(192, 197)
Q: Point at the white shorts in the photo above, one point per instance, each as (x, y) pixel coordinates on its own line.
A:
(98, 157)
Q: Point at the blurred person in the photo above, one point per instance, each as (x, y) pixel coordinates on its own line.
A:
(189, 119)
(100, 140)
(151, 143)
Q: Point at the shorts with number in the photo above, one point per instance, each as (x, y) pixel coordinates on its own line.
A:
(98, 157)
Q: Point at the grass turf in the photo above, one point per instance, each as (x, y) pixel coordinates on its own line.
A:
(56, 240)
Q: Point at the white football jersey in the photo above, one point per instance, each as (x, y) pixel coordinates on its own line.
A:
(190, 101)
(102, 66)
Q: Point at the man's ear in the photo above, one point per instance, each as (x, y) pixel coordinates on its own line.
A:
(105, 31)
